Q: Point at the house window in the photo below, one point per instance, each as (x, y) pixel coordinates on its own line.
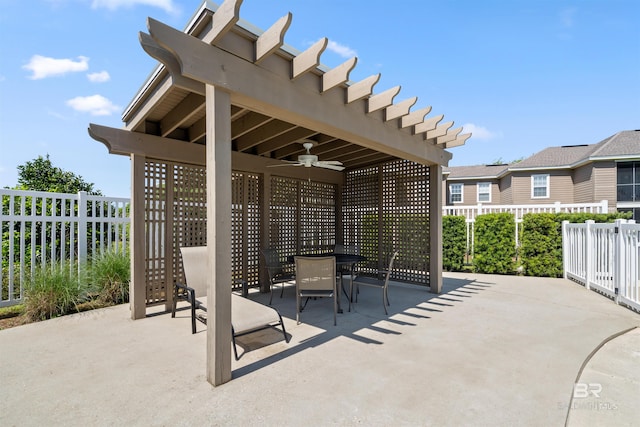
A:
(455, 193)
(629, 182)
(484, 192)
(539, 186)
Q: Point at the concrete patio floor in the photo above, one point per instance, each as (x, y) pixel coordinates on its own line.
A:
(490, 350)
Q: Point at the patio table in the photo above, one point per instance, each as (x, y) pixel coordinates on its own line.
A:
(348, 260)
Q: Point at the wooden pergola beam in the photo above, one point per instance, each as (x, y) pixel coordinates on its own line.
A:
(277, 96)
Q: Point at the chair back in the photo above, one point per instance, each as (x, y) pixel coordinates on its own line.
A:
(272, 261)
(195, 263)
(315, 273)
(388, 272)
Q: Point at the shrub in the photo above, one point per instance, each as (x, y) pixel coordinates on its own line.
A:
(454, 242)
(110, 275)
(541, 239)
(494, 244)
(541, 245)
(54, 291)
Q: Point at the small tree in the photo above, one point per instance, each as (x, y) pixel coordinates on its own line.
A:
(41, 175)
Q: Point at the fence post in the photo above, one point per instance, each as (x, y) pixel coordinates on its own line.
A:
(565, 248)
(620, 266)
(82, 227)
(604, 206)
(557, 207)
(589, 264)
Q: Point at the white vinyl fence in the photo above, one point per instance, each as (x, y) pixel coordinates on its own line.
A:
(470, 212)
(604, 257)
(41, 228)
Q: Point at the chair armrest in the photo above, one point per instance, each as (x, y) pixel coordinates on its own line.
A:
(192, 292)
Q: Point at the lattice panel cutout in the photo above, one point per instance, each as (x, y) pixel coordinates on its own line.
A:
(246, 226)
(189, 211)
(283, 216)
(302, 216)
(177, 201)
(360, 214)
(253, 227)
(155, 185)
(317, 217)
(386, 207)
(405, 213)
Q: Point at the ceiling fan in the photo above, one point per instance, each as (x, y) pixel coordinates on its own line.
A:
(307, 160)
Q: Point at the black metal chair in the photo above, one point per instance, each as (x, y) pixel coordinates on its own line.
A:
(277, 272)
(381, 282)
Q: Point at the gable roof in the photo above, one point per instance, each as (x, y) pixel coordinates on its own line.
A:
(620, 146)
(476, 171)
(556, 157)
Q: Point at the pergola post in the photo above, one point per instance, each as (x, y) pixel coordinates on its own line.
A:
(138, 285)
(435, 228)
(218, 164)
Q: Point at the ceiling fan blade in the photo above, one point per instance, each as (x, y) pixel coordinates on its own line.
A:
(286, 163)
(330, 162)
(328, 165)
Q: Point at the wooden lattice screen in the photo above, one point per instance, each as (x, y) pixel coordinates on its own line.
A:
(302, 216)
(155, 185)
(176, 216)
(317, 217)
(386, 208)
(189, 220)
(246, 214)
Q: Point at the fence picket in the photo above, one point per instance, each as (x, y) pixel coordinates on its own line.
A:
(608, 261)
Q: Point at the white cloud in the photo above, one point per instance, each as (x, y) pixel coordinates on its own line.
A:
(96, 105)
(166, 5)
(43, 66)
(101, 77)
(343, 51)
(479, 132)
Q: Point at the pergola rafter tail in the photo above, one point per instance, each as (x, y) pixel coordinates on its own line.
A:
(276, 94)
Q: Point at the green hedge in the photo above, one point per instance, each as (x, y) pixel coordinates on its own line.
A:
(494, 244)
(454, 242)
(541, 240)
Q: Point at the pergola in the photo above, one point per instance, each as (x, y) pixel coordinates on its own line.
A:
(227, 102)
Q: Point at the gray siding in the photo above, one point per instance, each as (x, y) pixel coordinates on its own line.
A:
(506, 190)
(560, 188)
(470, 192)
(583, 186)
(605, 182)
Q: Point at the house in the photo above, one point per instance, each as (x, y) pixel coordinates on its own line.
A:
(607, 171)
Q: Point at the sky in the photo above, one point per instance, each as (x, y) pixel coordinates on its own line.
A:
(521, 75)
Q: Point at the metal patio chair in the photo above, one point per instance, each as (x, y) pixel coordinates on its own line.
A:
(381, 282)
(276, 271)
(316, 278)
